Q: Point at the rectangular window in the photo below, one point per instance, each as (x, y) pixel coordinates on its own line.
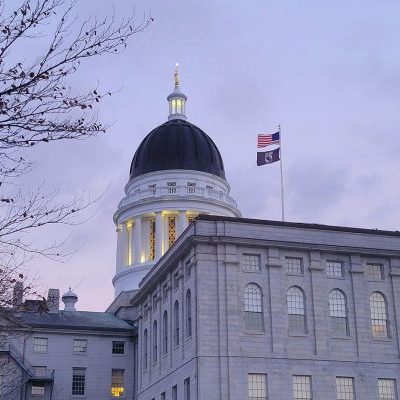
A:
(251, 262)
(186, 386)
(78, 381)
(344, 388)
(38, 388)
(334, 269)
(302, 387)
(387, 389)
(374, 272)
(191, 188)
(40, 372)
(152, 190)
(171, 187)
(152, 239)
(175, 392)
(80, 345)
(118, 347)
(294, 265)
(117, 382)
(165, 291)
(257, 386)
(40, 345)
(171, 230)
(163, 396)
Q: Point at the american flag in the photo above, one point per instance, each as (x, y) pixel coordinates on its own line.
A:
(265, 140)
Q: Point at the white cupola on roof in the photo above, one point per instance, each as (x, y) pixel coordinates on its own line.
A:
(69, 299)
(177, 100)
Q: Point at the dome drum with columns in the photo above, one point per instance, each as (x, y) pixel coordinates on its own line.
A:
(176, 173)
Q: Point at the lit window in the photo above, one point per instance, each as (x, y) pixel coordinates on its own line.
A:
(186, 389)
(302, 387)
(117, 382)
(145, 349)
(78, 381)
(374, 272)
(188, 314)
(251, 262)
(257, 386)
(338, 313)
(254, 320)
(38, 388)
(118, 347)
(40, 345)
(344, 388)
(296, 310)
(379, 319)
(165, 332)
(334, 269)
(294, 265)
(171, 230)
(387, 389)
(176, 324)
(152, 254)
(80, 345)
(155, 342)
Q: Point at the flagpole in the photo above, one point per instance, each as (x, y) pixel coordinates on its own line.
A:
(282, 190)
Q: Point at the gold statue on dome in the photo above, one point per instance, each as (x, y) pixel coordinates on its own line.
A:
(176, 75)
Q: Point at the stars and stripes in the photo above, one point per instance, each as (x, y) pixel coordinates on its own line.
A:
(264, 140)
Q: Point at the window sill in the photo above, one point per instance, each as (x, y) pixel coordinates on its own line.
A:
(343, 278)
(342, 337)
(257, 333)
(80, 354)
(375, 339)
(118, 355)
(376, 280)
(298, 335)
(252, 272)
(294, 274)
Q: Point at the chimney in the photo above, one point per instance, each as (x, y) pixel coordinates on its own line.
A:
(18, 295)
(53, 300)
(69, 299)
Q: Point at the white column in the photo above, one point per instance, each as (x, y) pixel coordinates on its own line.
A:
(137, 239)
(124, 244)
(119, 256)
(182, 222)
(159, 234)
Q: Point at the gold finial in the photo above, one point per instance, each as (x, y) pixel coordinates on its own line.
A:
(176, 75)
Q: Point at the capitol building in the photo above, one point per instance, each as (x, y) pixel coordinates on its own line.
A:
(210, 305)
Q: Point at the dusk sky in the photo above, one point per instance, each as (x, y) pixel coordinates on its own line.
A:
(328, 72)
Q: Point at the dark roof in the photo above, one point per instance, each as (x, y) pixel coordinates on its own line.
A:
(177, 144)
(206, 217)
(77, 320)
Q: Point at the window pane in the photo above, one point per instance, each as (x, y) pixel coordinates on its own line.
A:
(155, 342)
(40, 345)
(80, 345)
(117, 382)
(334, 269)
(378, 315)
(165, 332)
(294, 265)
(257, 387)
(302, 387)
(38, 388)
(387, 389)
(338, 313)
(186, 387)
(374, 272)
(176, 324)
(253, 308)
(118, 347)
(296, 310)
(145, 349)
(78, 381)
(251, 262)
(188, 314)
(175, 392)
(344, 388)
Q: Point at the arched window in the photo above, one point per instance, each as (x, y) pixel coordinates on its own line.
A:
(176, 323)
(379, 317)
(296, 310)
(145, 349)
(188, 313)
(338, 313)
(253, 312)
(165, 332)
(155, 341)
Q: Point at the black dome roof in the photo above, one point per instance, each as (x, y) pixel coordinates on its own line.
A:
(177, 144)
